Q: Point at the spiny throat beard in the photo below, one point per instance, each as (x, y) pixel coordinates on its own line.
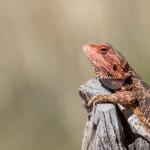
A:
(103, 74)
(109, 80)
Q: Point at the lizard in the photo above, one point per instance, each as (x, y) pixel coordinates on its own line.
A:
(115, 73)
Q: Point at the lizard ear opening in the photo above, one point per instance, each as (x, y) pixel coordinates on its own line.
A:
(115, 67)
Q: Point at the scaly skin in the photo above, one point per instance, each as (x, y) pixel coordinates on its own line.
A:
(116, 74)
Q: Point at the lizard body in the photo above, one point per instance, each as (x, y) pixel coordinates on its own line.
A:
(116, 74)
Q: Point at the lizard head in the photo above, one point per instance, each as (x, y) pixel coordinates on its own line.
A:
(108, 63)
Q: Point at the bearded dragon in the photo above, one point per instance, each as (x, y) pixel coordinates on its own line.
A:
(115, 73)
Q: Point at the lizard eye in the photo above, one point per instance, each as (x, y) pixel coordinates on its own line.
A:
(115, 67)
(104, 50)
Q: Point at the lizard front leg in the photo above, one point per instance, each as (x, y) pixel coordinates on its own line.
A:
(124, 97)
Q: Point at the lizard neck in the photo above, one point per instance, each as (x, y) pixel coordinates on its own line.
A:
(109, 81)
(113, 84)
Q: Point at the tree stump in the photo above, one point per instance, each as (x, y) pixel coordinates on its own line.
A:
(109, 126)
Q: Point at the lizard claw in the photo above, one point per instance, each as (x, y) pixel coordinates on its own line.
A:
(96, 99)
(92, 101)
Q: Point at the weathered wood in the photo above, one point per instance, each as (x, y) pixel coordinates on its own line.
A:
(107, 128)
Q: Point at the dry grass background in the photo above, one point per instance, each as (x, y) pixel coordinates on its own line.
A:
(42, 64)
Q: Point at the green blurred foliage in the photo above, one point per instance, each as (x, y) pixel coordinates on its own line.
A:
(42, 64)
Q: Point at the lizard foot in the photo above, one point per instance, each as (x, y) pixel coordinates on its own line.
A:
(96, 99)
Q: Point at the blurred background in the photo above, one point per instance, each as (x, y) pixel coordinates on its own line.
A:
(42, 64)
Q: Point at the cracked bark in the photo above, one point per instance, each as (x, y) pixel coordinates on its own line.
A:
(111, 127)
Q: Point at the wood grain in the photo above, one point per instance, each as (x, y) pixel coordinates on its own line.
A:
(109, 126)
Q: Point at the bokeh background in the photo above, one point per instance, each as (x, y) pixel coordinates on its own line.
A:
(42, 64)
